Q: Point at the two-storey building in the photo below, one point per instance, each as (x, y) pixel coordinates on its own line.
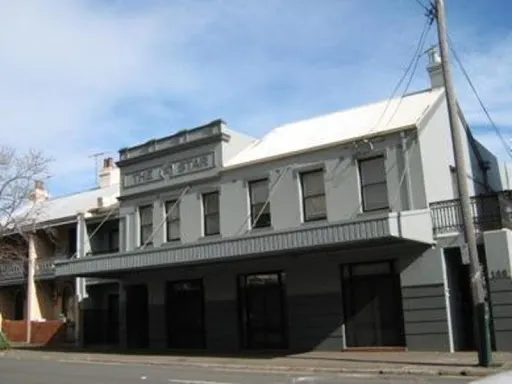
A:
(341, 231)
(29, 289)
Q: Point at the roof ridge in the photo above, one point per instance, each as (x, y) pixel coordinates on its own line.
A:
(353, 108)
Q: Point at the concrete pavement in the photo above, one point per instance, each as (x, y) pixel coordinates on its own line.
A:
(373, 363)
(14, 371)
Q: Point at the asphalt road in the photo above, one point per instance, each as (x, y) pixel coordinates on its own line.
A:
(14, 371)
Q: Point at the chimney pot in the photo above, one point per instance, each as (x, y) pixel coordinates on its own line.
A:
(434, 68)
(108, 162)
(109, 174)
(39, 193)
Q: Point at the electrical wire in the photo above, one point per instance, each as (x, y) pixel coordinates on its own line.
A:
(422, 5)
(475, 92)
(413, 63)
(176, 204)
(267, 201)
(107, 216)
(419, 53)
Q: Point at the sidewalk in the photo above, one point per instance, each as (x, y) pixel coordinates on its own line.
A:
(387, 363)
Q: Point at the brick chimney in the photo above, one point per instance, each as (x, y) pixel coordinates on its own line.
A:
(109, 173)
(39, 193)
(434, 68)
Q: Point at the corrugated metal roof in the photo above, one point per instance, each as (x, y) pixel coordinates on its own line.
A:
(339, 127)
(64, 207)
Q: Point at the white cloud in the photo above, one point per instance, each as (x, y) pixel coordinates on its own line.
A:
(80, 77)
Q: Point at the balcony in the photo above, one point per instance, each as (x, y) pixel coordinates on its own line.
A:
(45, 269)
(13, 272)
(410, 227)
(490, 212)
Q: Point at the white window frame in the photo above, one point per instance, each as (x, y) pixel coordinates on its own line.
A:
(381, 183)
(142, 240)
(210, 214)
(304, 196)
(170, 219)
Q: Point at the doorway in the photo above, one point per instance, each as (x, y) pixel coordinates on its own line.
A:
(112, 327)
(184, 307)
(372, 301)
(19, 304)
(460, 298)
(262, 303)
(137, 319)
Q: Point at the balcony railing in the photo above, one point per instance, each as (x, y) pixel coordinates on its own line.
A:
(490, 211)
(11, 270)
(15, 271)
(44, 268)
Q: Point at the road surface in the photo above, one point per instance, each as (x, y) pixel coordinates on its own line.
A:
(15, 371)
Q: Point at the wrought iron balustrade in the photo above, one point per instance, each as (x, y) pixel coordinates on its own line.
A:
(11, 270)
(44, 268)
(490, 211)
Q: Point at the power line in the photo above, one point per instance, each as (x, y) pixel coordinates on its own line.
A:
(416, 60)
(413, 62)
(422, 5)
(475, 92)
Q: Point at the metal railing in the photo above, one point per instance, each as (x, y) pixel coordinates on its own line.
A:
(44, 268)
(12, 270)
(15, 270)
(490, 211)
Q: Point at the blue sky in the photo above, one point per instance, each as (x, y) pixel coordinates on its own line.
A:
(80, 77)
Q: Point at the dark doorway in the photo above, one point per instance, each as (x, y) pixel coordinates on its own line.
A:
(263, 310)
(459, 289)
(112, 320)
(137, 319)
(460, 297)
(184, 307)
(372, 305)
(19, 304)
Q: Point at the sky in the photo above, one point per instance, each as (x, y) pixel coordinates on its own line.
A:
(84, 77)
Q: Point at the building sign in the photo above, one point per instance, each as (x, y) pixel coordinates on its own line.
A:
(170, 169)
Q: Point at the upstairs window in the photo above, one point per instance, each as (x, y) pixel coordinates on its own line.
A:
(374, 189)
(211, 218)
(173, 220)
(146, 223)
(313, 195)
(113, 240)
(258, 194)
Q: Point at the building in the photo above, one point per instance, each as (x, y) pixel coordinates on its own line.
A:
(29, 289)
(342, 231)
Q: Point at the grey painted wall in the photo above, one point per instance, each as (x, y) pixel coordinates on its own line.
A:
(313, 290)
(501, 292)
(424, 301)
(341, 178)
(342, 188)
(437, 157)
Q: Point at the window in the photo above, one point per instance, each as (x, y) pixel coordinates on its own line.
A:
(173, 220)
(258, 194)
(373, 184)
(113, 240)
(313, 195)
(146, 223)
(211, 213)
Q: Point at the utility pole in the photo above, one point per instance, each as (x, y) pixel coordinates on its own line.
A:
(480, 312)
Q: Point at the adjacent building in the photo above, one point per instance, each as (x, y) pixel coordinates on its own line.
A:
(29, 289)
(338, 232)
